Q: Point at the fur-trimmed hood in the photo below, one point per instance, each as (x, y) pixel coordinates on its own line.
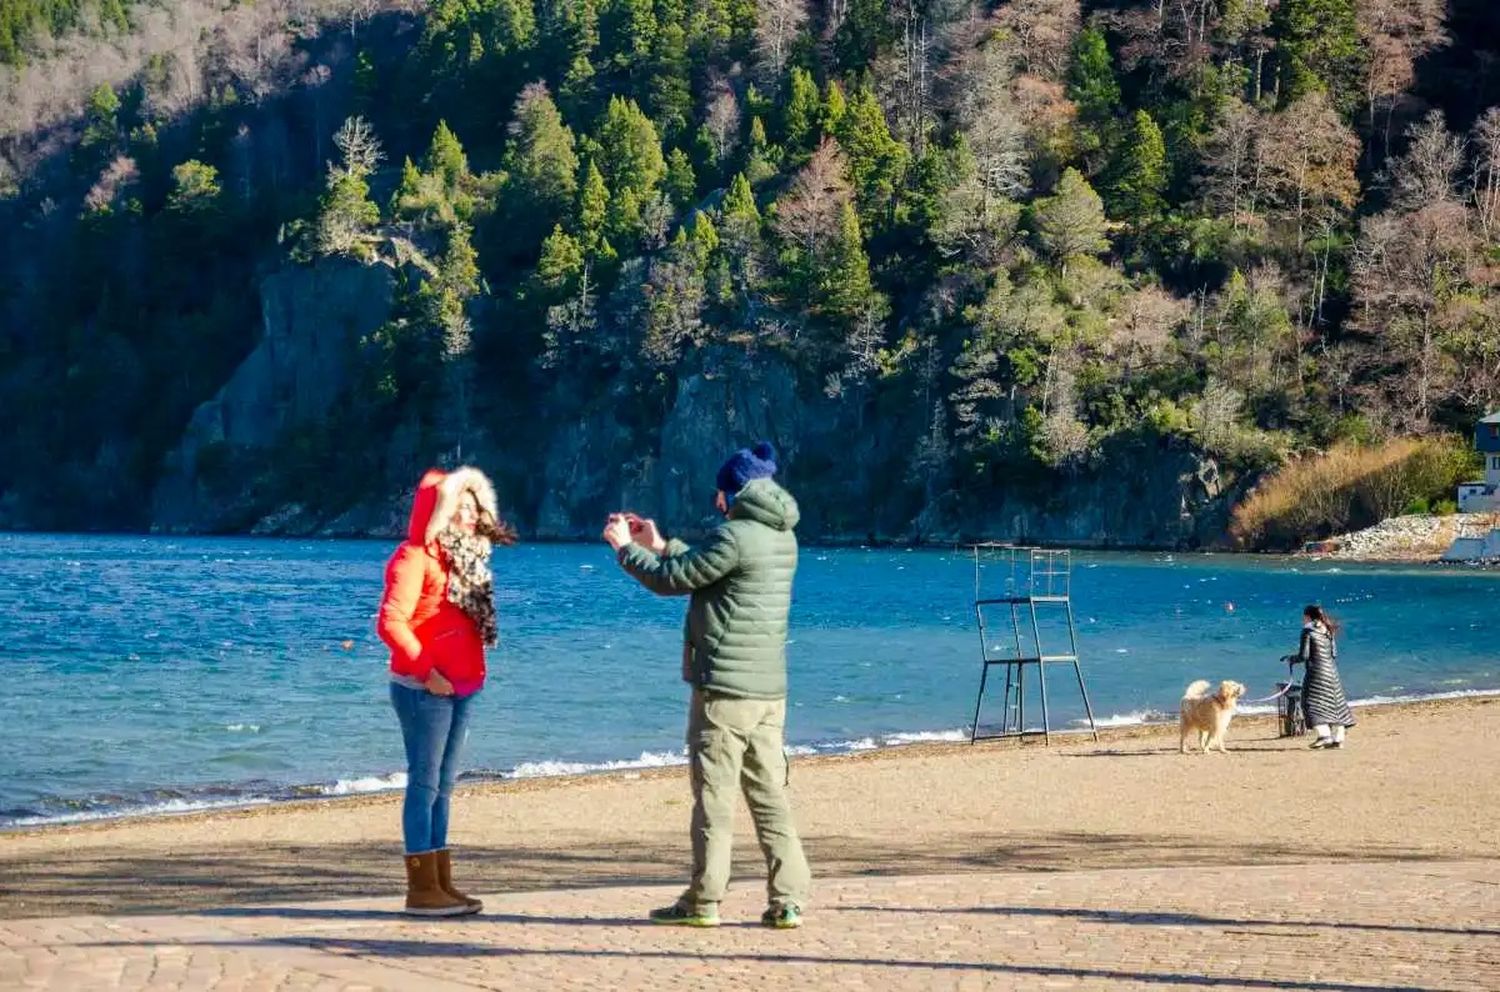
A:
(436, 502)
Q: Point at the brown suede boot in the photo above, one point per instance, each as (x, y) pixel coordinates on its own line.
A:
(424, 897)
(445, 880)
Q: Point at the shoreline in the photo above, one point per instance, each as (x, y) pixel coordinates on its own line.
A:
(1260, 717)
(1414, 786)
(1396, 557)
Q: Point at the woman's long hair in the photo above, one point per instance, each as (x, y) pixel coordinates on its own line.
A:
(1315, 612)
(499, 532)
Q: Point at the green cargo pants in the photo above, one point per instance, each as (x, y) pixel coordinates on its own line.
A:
(735, 744)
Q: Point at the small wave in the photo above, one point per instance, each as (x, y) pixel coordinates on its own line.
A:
(551, 769)
(926, 736)
(243, 728)
(1423, 697)
(359, 786)
(1132, 719)
(167, 808)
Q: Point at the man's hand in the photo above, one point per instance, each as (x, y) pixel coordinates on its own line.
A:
(617, 531)
(438, 684)
(643, 531)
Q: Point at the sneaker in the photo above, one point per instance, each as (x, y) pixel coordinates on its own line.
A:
(782, 918)
(1335, 744)
(679, 915)
(1321, 743)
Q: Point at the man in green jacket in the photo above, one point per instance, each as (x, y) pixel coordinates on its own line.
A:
(734, 656)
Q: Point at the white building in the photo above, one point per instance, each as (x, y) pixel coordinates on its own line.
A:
(1484, 496)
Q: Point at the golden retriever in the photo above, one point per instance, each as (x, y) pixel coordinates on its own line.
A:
(1208, 714)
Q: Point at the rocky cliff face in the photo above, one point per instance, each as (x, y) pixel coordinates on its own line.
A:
(312, 319)
(847, 467)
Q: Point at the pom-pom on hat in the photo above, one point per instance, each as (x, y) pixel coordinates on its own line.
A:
(758, 462)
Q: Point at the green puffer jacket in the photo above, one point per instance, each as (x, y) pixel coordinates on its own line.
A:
(740, 580)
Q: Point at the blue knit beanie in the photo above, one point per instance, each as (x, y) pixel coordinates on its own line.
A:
(758, 462)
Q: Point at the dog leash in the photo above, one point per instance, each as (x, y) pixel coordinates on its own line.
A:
(1266, 699)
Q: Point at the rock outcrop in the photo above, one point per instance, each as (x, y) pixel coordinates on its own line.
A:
(588, 450)
(312, 320)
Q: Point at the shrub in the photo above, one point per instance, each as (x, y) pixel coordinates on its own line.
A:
(1348, 487)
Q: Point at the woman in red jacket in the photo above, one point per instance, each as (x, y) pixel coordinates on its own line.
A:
(438, 616)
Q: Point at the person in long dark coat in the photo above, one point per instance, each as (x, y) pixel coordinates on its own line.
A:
(1323, 700)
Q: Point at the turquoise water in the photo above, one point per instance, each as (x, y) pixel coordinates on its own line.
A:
(155, 673)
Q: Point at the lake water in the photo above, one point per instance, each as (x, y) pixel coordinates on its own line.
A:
(158, 673)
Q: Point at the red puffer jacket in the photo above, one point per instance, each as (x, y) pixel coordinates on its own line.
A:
(424, 630)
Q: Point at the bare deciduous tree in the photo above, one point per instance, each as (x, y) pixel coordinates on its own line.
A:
(175, 50)
(119, 175)
(981, 82)
(1428, 172)
(1041, 34)
(777, 24)
(722, 123)
(1486, 143)
(358, 147)
(1144, 328)
(1396, 33)
(807, 215)
(1410, 273)
(1305, 163)
(1229, 182)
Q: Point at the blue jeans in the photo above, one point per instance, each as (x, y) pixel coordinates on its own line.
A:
(434, 729)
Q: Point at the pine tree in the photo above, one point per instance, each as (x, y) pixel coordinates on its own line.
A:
(801, 118)
(582, 38)
(195, 188)
(702, 235)
(1141, 174)
(510, 26)
(1093, 89)
(669, 96)
(764, 158)
(877, 161)
(458, 270)
(739, 201)
(844, 284)
(627, 30)
(540, 158)
(740, 222)
(681, 184)
(710, 27)
(593, 211)
(446, 158)
(630, 150)
(560, 264)
(835, 105)
(346, 216)
(1070, 224)
(1319, 47)
(1091, 79)
(866, 28)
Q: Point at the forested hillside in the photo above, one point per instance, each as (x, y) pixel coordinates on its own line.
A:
(953, 255)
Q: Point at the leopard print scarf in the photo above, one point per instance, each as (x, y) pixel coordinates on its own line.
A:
(471, 585)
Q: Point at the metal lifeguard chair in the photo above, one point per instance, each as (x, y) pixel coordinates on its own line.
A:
(1029, 580)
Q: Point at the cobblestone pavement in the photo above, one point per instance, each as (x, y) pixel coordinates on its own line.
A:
(1408, 925)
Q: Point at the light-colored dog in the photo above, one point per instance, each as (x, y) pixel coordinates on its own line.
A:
(1208, 714)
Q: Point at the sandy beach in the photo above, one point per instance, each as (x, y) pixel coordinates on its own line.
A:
(1419, 783)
